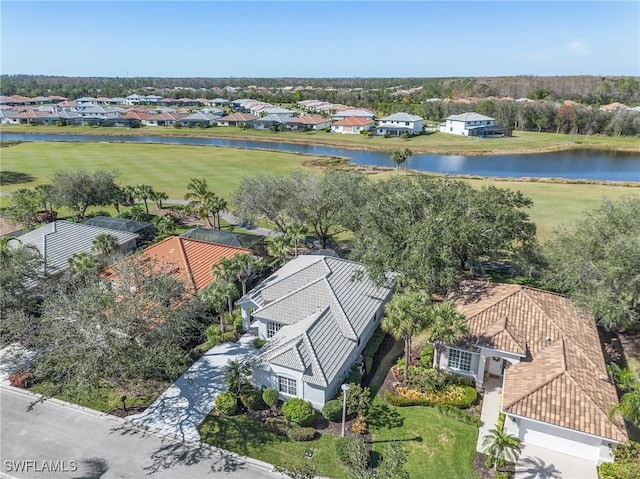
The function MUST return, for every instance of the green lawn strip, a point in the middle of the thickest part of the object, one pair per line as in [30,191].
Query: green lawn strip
[166,168]
[249,437]
[103,399]
[438,446]
[443,143]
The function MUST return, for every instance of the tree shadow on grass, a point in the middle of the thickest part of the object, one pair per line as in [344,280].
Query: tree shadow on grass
[239,434]
[15,178]
[381,416]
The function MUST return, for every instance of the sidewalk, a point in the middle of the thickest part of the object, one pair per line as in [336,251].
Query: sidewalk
[490,409]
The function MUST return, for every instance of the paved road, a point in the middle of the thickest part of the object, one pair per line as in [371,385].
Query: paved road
[184,405]
[54,434]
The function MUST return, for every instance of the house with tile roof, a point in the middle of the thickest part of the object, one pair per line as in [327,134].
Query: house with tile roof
[235,119]
[556,392]
[359,113]
[190,261]
[307,122]
[352,125]
[317,314]
[472,124]
[400,124]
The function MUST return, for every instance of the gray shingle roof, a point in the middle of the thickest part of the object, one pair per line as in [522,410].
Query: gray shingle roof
[60,240]
[401,117]
[325,305]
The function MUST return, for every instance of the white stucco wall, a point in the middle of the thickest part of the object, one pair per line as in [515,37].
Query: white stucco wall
[564,440]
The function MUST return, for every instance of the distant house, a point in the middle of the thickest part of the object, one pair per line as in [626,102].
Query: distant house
[188,260]
[9,117]
[235,119]
[473,124]
[267,121]
[8,228]
[228,238]
[60,240]
[317,319]
[200,118]
[400,124]
[281,112]
[556,390]
[352,125]
[358,113]
[307,122]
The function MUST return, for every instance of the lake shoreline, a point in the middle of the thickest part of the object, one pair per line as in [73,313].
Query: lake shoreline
[582,144]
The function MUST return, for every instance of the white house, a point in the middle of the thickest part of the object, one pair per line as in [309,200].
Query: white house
[352,125]
[359,113]
[472,124]
[556,392]
[400,124]
[317,313]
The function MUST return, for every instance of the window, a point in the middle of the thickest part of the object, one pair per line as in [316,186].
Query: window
[460,360]
[287,386]
[272,328]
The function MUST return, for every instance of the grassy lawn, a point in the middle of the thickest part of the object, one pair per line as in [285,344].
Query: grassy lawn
[244,435]
[105,399]
[438,446]
[521,141]
[169,167]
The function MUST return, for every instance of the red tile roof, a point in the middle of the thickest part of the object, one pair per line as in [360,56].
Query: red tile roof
[353,121]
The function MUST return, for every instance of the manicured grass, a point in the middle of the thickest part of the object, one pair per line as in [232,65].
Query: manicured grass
[249,437]
[438,446]
[521,141]
[167,168]
[104,399]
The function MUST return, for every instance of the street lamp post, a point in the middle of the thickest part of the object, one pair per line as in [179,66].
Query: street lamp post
[345,389]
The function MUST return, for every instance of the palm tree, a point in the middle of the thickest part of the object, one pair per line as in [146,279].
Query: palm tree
[144,192]
[278,248]
[217,204]
[83,266]
[241,267]
[399,157]
[295,233]
[159,197]
[445,326]
[215,298]
[405,316]
[628,406]
[501,446]
[129,193]
[198,190]
[105,244]
[236,374]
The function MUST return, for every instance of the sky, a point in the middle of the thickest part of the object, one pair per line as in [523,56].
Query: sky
[319,38]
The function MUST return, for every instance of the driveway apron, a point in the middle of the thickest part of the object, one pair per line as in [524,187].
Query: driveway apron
[184,405]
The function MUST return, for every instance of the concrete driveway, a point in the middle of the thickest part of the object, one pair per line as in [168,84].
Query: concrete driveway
[537,462]
[58,440]
[184,405]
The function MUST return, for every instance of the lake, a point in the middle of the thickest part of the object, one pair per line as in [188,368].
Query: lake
[571,164]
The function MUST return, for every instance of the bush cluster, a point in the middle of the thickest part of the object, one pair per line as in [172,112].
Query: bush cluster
[298,411]
[252,400]
[429,380]
[226,403]
[279,425]
[426,356]
[258,343]
[626,464]
[270,397]
[459,415]
[332,410]
[467,399]
[300,434]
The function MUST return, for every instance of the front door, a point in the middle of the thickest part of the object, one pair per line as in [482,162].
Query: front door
[495,366]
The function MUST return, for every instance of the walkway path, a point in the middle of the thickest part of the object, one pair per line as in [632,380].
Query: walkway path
[184,405]
[490,409]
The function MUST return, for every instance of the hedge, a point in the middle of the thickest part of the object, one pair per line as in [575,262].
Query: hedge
[301,434]
[252,400]
[332,410]
[298,411]
[469,398]
[226,403]
[459,415]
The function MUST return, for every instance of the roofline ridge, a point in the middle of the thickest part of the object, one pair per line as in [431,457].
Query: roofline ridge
[185,258]
[342,313]
[314,356]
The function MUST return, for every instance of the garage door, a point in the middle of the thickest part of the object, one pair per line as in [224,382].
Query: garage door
[561,440]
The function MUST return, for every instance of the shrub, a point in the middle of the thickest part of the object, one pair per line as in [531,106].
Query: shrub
[212,333]
[226,403]
[501,475]
[374,343]
[228,337]
[332,410]
[258,343]
[358,399]
[354,376]
[279,425]
[20,379]
[270,397]
[426,356]
[399,401]
[298,411]
[359,426]
[252,400]
[468,399]
[342,449]
[300,434]
[459,415]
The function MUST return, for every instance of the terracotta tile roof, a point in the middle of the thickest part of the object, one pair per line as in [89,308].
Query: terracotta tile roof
[310,120]
[191,259]
[238,117]
[562,379]
[353,121]
[8,228]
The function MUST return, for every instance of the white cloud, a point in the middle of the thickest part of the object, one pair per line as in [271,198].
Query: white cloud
[578,47]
